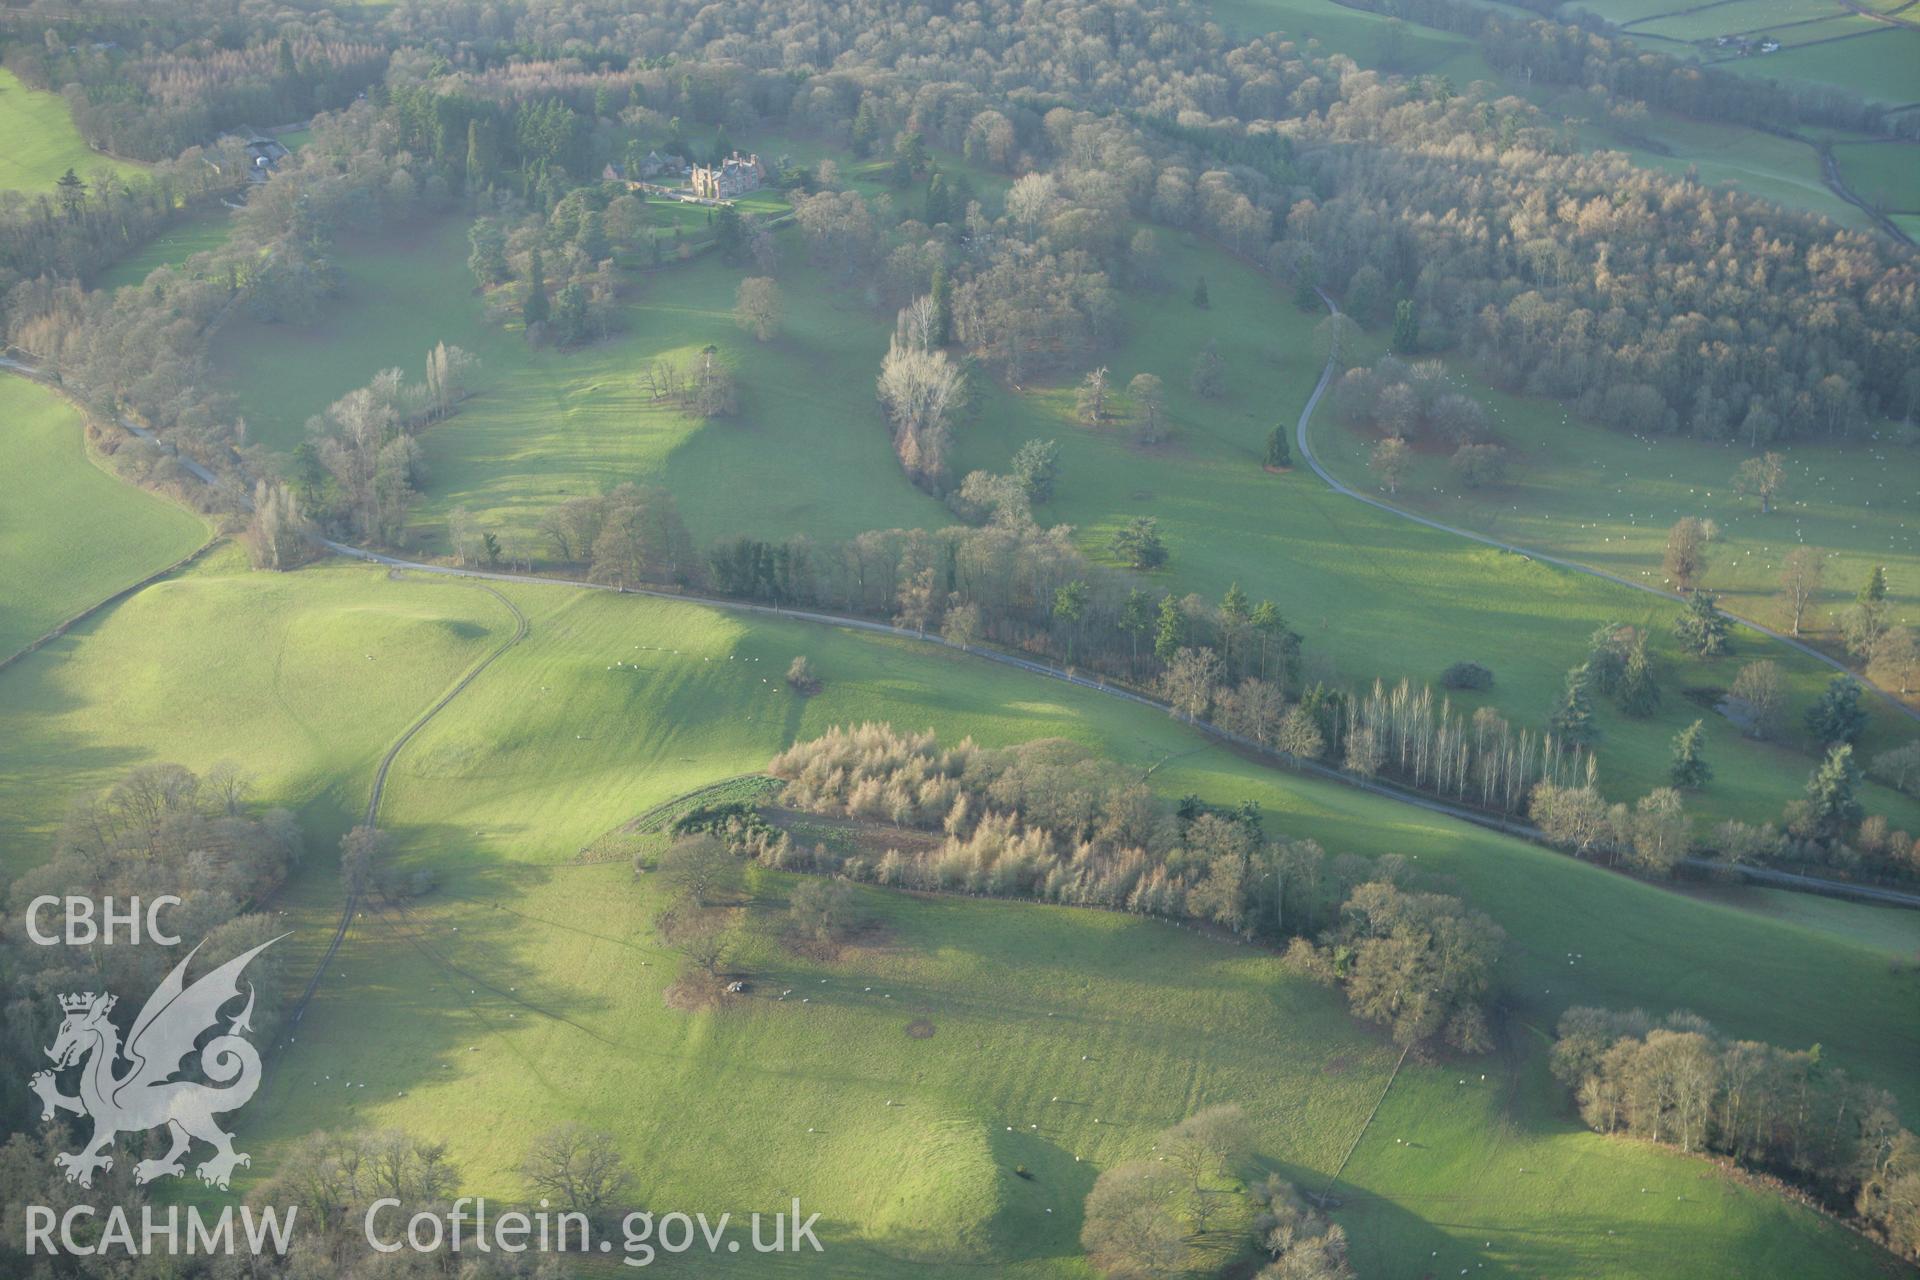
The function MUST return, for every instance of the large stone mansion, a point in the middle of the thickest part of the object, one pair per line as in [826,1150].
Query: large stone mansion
[731,178]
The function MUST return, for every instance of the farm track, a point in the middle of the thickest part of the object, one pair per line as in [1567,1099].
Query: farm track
[1306,451]
[1837,183]
[380,786]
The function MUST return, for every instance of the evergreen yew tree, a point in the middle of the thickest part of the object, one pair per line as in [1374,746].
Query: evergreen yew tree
[536,308]
[1279,453]
[488,259]
[478,171]
[1874,590]
[1406,328]
[1572,719]
[1639,691]
[1170,630]
[942,294]
[1838,716]
[1607,657]
[1702,629]
[1689,770]
[729,233]
[1831,806]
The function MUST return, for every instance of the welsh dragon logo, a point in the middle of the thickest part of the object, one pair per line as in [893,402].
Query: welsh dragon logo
[146,1095]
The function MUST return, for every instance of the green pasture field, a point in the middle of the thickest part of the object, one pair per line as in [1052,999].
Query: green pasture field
[1759,164]
[1894,930]
[1886,175]
[1624,12]
[302,680]
[1785,20]
[1371,39]
[530,987]
[1750,15]
[810,446]
[547,425]
[38,142]
[1824,29]
[871,176]
[1882,65]
[200,233]
[71,534]
[1607,499]
[1478,1155]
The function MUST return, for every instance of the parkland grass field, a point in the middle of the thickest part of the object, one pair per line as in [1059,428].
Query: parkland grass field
[38,142]
[545,426]
[149,681]
[53,564]
[490,936]
[173,249]
[1608,498]
[1887,175]
[530,984]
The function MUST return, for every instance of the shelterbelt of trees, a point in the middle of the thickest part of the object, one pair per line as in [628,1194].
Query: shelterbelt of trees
[1048,820]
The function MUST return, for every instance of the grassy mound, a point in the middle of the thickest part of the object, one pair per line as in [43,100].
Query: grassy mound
[301,679]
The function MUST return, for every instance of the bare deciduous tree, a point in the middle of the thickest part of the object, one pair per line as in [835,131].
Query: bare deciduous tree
[1389,461]
[1800,579]
[1150,406]
[1191,681]
[1763,477]
[756,307]
[1090,402]
[921,390]
[1685,559]
[578,1169]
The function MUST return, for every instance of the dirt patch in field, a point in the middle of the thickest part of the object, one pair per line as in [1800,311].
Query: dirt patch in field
[697,992]
[920,1029]
[854,835]
[869,935]
[1338,1066]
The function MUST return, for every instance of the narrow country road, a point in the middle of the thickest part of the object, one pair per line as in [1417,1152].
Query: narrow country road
[1311,768]
[1306,451]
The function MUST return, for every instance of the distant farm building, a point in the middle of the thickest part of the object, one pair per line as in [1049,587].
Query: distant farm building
[263,154]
